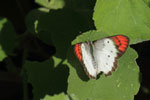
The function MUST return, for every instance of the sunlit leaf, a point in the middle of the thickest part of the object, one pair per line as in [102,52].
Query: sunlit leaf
[128,17]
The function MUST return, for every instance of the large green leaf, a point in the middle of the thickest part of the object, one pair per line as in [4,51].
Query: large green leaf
[51,4]
[48,77]
[128,17]
[89,36]
[61,96]
[147,2]
[7,38]
[123,84]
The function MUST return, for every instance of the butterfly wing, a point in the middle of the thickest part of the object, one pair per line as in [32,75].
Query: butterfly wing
[101,55]
[121,43]
[83,53]
[107,51]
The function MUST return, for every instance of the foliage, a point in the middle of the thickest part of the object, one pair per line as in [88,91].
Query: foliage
[52,4]
[122,85]
[6,46]
[61,96]
[123,17]
[60,23]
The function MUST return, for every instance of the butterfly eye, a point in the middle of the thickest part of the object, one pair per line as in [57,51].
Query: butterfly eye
[107,41]
[108,55]
[111,51]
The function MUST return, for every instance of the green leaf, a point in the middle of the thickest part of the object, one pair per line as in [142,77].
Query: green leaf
[7,38]
[47,78]
[123,84]
[32,20]
[89,36]
[128,17]
[147,2]
[51,4]
[2,54]
[61,96]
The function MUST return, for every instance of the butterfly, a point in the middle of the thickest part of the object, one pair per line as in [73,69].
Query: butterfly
[101,55]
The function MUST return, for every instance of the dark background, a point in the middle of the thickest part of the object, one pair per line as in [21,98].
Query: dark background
[11,85]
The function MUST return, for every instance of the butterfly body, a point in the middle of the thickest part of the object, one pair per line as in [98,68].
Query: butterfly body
[101,55]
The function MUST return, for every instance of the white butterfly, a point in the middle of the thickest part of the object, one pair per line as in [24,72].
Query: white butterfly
[101,55]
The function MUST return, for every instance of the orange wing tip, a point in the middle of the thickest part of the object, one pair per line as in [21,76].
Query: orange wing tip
[122,38]
[116,41]
[122,42]
[77,50]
